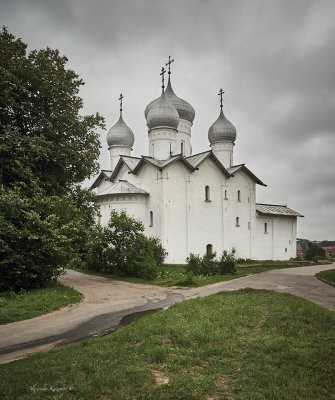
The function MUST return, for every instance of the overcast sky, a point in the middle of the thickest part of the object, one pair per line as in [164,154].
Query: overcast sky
[274,59]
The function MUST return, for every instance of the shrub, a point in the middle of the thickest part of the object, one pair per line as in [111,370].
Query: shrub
[314,250]
[227,263]
[121,248]
[159,252]
[210,265]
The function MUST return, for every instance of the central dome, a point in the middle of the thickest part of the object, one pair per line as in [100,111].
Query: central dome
[185,110]
[162,114]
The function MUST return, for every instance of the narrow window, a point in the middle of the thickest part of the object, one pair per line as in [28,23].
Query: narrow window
[248,225]
[153,150]
[238,195]
[237,221]
[266,227]
[225,195]
[207,193]
[182,148]
[285,250]
[209,249]
[248,199]
[151,218]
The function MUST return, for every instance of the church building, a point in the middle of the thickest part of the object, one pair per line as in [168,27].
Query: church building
[192,202]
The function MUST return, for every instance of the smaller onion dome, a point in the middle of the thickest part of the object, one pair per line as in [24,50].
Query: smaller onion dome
[162,114]
[185,110]
[222,130]
[120,134]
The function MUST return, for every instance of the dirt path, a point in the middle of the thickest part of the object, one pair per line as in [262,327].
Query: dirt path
[106,302]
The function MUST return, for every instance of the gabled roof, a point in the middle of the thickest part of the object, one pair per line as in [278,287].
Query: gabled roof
[104,174]
[122,187]
[130,162]
[241,167]
[275,209]
[160,164]
[197,159]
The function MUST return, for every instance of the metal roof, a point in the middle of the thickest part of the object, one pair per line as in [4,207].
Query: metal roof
[104,174]
[241,167]
[122,187]
[275,209]
[131,162]
[198,158]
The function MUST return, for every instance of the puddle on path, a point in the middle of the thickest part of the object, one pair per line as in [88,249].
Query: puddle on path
[128,319]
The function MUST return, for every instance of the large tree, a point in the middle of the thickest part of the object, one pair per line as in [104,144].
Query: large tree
[47,148]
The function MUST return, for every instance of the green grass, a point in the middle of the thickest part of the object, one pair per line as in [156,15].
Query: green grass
[32,303]
[327,276]
[244,345]
[176,275]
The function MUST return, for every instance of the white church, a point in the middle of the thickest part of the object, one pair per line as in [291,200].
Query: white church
[192,202]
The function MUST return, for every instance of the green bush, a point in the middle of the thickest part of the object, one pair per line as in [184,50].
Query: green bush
[227,263]
[314,250]
[210,265]
[121,248]
[159,252]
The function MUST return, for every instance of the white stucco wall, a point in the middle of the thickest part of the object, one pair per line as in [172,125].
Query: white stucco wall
[186,222]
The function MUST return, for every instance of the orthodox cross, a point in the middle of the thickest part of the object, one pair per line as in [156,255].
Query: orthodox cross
[221,92]
[120,98]
[162,74]
[169,64]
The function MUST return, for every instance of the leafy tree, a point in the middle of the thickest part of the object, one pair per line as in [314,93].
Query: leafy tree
[121,248]
[314,250]
[46,150]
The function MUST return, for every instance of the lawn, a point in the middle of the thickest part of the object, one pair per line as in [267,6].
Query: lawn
[327,276]
[32,303]
[246,345]
[176,275]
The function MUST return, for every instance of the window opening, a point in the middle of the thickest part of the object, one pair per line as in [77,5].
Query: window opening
[207,193]
[248,225]
[182,148]
[151,218]
[237,221]
[209,249]
[238,195]
[265,227]
[225,195]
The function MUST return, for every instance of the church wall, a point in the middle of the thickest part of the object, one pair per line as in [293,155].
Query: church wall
[174,230]
[241,206]
[134,205]
[278,240]
[205,217]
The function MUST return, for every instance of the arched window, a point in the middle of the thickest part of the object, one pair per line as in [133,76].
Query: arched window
[238,195]
[209,248]
[182,148]
[265,227]
[207,194]
[225,195]
[237,221]
[151,218]
[248,225]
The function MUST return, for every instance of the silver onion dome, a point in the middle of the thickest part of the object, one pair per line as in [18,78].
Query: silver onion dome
[120,134]
[222,130]
[185,110]
[162,114]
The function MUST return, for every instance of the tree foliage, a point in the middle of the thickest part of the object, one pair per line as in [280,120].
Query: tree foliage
[159,252]
[314,250]
[121,248]
[46,150]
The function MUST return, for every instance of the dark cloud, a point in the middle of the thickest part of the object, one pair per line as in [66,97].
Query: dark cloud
[275,60]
